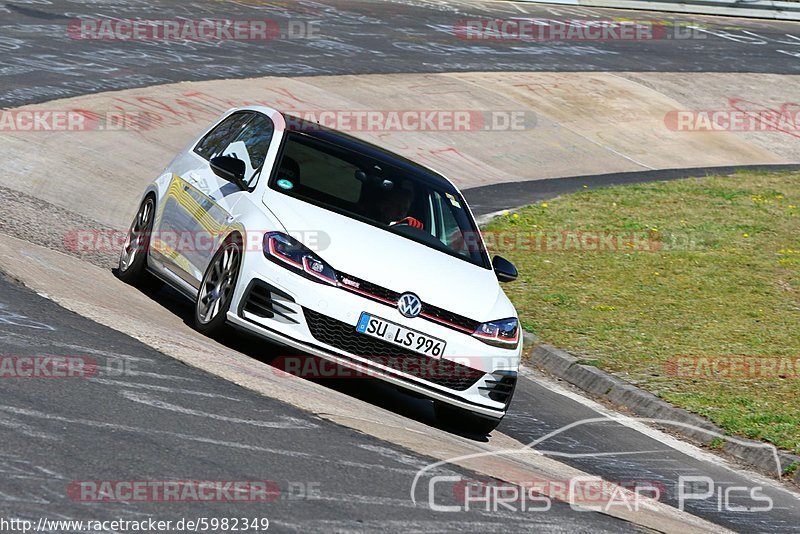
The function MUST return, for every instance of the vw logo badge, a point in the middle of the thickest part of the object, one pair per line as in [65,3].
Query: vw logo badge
[409,305]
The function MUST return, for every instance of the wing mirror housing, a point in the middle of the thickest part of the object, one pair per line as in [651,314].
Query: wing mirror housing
[504,269]
[230,169]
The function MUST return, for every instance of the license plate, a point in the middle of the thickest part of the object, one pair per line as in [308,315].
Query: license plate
[400,335]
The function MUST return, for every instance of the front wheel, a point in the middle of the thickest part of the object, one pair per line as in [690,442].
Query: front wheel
[216,290]
[133,257]
[462,421]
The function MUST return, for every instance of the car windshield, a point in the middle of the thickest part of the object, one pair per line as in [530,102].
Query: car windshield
[391,194]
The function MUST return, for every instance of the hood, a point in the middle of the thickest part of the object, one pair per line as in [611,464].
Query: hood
[391,261]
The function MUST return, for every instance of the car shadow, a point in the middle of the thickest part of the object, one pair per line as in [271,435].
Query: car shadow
[335,377]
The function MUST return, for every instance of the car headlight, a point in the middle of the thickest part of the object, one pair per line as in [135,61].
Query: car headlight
[503,333]
[292,254]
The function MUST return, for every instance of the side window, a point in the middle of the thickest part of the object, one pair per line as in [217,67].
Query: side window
[448,219]
[446,224]
[218,139]
[252,143]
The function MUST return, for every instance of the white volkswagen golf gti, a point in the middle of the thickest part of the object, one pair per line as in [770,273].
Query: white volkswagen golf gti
[337,248]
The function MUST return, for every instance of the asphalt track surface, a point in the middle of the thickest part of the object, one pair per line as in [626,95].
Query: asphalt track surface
[66,431]
[145,416]
[40,60]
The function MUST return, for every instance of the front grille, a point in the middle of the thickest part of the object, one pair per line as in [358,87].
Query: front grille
[343,336]
[453,318]
[369,287]
[382,295]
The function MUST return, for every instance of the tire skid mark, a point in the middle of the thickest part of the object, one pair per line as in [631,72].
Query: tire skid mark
[400,503]
[480,527]
[22,340]
[25,429]
[164,389]
[11,318]
[290,423]
[152,432]
[159,376]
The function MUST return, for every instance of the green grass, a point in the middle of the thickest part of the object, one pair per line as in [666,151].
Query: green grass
[706,267]
[791,469]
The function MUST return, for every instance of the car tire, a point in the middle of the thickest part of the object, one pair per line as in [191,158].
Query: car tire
[132,267]
[462,421]
[216,290]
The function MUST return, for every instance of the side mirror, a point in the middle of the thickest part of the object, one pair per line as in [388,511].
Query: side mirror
[504,269]
[230,169]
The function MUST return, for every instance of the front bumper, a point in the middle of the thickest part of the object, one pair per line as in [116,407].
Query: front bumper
[320,320]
